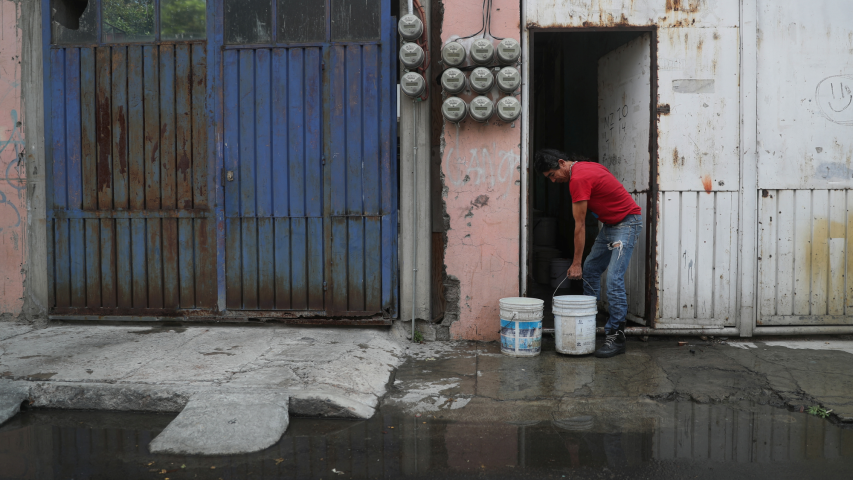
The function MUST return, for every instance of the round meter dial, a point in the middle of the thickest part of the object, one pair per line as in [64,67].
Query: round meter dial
[453,54]
[410,27]
[509,109]
[482,80]
[482,52]
[453,81]
[454,109]
[508,79]
[411,55]
[482,109]
[413,84]
[509,51]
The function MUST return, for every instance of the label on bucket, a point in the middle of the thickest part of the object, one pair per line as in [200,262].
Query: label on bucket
[574,335]
[521,338]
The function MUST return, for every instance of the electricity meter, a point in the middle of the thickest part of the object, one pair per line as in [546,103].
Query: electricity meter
[509,108]
[454,109]
[411,55]
[482,80]
[453,81]
[508,79]
[413,84]
[509,50]
[453,54]
[482,109]
[482,52]
[410,27]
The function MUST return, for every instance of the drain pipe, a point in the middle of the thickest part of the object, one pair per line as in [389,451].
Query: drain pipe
[415,112]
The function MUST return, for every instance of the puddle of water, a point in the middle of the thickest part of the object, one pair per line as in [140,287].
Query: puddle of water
[704,441]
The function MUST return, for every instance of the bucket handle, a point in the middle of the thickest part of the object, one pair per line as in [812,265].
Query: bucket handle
[553,295]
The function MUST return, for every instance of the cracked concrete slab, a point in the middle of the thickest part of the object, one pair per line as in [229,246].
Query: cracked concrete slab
[225,423]
[344,371]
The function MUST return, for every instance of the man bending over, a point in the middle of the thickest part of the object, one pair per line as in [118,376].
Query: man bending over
[593,187]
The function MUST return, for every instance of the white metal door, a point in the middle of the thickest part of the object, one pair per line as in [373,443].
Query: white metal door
[624,99]
[805,180]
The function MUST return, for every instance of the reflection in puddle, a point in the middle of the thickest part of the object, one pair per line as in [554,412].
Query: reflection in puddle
[64,444]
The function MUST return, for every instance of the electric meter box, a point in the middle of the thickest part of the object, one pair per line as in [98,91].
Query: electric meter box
[411,55]
[482,80]
[410,27]
[508,79]
[454,109]
[509,51]
[509,109]
[453,81]
[482,109]
[453,54]
[413,84]
[482,52]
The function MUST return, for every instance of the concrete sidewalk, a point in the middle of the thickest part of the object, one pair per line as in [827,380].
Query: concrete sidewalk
[471,382]
[335,372]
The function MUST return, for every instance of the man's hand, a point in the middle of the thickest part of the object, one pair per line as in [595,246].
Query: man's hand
[575,272]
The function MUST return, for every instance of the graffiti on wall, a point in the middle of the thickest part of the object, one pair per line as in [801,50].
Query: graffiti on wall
[834,97]
[486,166]
[11,154]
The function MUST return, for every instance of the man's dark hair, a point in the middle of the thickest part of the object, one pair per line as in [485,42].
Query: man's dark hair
[547,159]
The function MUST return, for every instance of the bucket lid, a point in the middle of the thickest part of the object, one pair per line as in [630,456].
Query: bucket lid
[510,302]
[574,301]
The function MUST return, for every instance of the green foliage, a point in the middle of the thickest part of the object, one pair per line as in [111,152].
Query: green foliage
[133,18]
[419,338]
[182,18]
[818,411]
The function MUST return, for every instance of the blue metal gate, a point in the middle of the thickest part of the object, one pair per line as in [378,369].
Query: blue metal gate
[194,175]
[310,174]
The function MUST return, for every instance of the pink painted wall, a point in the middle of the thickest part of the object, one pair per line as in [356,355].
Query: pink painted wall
[483,191]
[12,173]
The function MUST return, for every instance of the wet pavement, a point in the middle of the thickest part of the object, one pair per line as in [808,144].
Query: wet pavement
[463,410]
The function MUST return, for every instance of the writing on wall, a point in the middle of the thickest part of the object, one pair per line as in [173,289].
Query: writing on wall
[834,97]
[614,123]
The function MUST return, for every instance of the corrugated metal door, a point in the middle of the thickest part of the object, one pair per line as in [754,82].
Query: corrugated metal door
[310,171]
[130,224]
[274,179]
[805,154]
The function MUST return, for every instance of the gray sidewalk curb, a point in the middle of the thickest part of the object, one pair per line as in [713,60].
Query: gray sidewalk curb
[167,398]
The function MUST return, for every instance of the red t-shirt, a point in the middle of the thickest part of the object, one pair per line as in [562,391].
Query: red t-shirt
[606,196]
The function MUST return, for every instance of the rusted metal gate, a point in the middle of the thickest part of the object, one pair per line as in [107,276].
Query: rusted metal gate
[264,183]
[130,217]
[310,190]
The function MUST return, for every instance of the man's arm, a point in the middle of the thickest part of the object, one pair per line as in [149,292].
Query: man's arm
[579,212]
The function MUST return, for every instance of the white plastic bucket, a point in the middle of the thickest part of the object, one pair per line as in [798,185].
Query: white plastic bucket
[574,324]
[521,326]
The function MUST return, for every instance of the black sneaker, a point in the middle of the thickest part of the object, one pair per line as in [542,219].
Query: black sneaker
[614,344]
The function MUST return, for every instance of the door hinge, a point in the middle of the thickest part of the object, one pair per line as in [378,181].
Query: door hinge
[222,177]
[323,159]
[323,65]
[325,287]
[663,108]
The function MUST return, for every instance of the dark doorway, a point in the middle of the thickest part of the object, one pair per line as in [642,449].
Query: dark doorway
[591,95]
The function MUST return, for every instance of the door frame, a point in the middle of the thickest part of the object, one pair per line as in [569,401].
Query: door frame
[652,207]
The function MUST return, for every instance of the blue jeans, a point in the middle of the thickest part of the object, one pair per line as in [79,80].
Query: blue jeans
[607,254]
